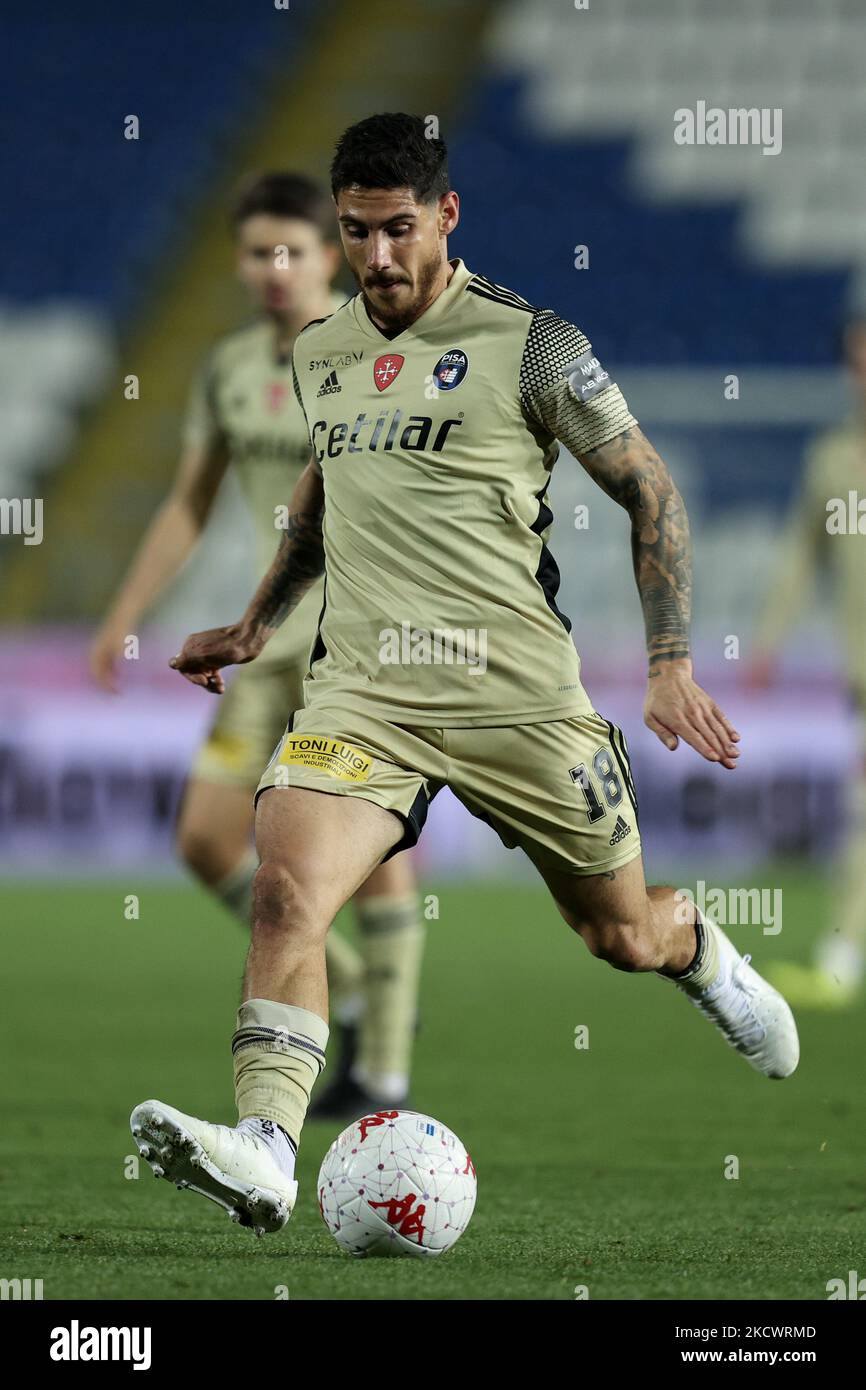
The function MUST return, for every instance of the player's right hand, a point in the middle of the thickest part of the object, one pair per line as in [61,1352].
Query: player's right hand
[204,653]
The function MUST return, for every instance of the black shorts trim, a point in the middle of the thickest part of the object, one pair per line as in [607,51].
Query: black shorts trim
[413,821]
[620,752]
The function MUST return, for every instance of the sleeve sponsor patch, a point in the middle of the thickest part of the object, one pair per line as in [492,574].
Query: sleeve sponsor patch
[587,377]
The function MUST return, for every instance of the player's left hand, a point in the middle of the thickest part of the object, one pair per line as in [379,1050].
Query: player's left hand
[677,707]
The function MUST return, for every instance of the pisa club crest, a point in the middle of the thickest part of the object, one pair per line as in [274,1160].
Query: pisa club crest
[451,369]
[386,369]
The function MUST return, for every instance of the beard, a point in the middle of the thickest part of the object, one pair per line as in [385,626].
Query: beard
[394,316]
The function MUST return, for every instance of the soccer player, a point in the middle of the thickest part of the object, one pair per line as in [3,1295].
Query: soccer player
[243,412]
[834,468]
[442,657]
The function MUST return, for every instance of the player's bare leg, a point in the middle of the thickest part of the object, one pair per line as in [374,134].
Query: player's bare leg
[373,988]
[315,851]
[637,928]
[214,839]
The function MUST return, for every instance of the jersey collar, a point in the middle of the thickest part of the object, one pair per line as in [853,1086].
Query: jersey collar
[440,306]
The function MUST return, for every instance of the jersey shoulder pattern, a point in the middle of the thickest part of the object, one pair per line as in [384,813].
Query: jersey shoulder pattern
[565,390]
[560,379]
[552,345]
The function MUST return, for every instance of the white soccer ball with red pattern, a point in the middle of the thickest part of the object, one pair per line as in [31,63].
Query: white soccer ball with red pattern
[396,1183]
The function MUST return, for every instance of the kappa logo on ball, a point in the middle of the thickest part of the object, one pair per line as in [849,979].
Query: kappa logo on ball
[451,369]
[386,369]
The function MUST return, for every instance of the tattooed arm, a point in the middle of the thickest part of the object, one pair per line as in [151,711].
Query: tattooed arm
[297,565]
[566,394]
[631,472]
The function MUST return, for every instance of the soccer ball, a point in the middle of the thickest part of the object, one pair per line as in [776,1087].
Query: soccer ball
[396,1183]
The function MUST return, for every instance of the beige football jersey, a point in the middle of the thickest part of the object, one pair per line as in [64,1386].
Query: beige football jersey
[835,467]
[436,448]
[244,395]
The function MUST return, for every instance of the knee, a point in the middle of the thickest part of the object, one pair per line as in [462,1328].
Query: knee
[624,945]
[282,903]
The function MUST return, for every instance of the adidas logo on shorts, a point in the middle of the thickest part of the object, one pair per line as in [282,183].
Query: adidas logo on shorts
[620,830]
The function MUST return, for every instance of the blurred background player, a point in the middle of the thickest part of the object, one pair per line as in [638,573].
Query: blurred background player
[243,412]
[835,466]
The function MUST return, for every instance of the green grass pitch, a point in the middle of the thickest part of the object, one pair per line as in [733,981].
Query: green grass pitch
[601,1167]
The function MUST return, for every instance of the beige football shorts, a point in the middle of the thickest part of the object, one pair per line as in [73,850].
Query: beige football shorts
[562,791]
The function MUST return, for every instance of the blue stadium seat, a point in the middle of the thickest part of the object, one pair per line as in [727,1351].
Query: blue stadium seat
[665,282]
[100,210]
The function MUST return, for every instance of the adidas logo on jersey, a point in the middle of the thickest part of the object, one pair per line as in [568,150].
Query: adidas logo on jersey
[620,830]
[330,386]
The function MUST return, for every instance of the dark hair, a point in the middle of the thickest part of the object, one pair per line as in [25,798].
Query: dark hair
[285,195]
[391,150]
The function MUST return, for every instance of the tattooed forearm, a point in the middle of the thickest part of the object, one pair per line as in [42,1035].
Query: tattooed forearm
[298,563]
[631,472]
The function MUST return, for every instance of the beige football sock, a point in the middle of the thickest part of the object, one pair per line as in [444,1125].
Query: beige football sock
[345,978]
[279,1051]
[703,970]
[392,943]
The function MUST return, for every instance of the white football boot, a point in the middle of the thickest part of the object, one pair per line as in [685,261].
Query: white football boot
[232,1167]
[749,1012]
